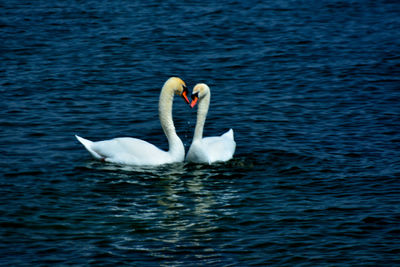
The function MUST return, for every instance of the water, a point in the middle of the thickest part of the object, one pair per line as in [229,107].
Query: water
[311,89]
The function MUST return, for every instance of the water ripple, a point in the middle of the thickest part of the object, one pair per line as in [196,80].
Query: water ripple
[311,91]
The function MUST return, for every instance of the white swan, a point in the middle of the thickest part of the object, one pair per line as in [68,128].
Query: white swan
[208,149]
[132,151]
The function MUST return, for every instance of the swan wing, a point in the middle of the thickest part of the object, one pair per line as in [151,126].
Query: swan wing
[198,153]
[127,150]
[220,148]
[213,149]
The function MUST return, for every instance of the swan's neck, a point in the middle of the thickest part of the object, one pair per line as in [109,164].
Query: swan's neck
[202,111]
[176,148]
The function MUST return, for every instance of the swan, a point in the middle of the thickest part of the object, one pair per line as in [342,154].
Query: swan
[208,149]
[133,151]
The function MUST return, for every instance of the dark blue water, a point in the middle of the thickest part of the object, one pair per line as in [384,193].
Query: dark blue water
[311,89]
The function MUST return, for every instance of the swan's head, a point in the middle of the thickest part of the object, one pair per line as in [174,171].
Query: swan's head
[179,87]
[199,92]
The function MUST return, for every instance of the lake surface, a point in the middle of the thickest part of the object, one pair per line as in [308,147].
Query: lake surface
[310,88]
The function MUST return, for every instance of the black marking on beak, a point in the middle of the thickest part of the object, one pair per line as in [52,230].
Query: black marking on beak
[193,96]
[185,94]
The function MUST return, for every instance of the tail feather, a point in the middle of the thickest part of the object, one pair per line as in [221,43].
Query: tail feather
[229,134]
[88,145]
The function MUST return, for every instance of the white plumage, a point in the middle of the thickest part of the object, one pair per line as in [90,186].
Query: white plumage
[133,151]
[208,149]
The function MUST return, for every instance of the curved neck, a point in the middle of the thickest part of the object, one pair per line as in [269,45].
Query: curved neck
[176,147]
[202,111]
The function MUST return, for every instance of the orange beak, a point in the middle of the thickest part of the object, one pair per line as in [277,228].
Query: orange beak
[184,95]
[195,98]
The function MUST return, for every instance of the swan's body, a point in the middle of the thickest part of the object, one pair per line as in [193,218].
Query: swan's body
[133,151]
[208,149]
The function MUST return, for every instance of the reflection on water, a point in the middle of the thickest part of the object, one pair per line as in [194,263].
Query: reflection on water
[178,206]
[310,90]
[187,205]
